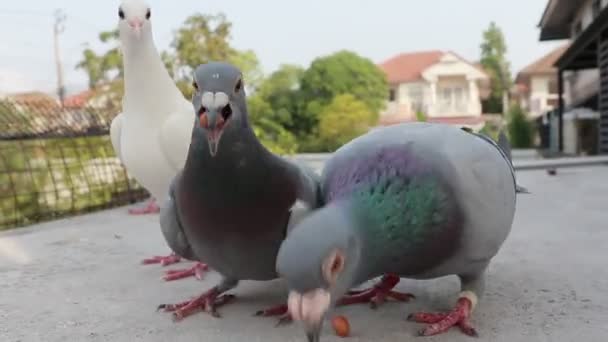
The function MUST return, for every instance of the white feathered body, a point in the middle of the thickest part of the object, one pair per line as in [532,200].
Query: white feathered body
[152,134]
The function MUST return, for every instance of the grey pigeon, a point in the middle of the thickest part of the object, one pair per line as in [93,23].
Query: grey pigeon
[231,204]
[416,200]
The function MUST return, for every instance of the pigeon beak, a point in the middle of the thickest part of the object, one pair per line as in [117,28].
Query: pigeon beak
[214,125]
[313,333]
[136,25]
[310,308]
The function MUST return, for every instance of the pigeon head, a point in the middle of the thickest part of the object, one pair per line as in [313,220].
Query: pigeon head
[134,18]
[219,101]
[318,260]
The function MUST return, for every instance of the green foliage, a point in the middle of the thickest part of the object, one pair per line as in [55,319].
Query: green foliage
[521,130]
[420,116]
[267,127]
[344,119]
[490,130]
[343,72]
[41,179]
[494,61]
[280,91]
[203,38]
[92,65]
[102,67]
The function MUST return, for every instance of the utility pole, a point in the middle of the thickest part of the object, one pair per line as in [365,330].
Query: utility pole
[58,29]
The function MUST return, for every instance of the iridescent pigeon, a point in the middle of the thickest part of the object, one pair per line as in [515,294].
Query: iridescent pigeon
[414,200]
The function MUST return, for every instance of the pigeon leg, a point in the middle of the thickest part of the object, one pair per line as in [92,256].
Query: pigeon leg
[377,294]
[198,271]
[459,316]
[150,208]
[163,260]
[208,301]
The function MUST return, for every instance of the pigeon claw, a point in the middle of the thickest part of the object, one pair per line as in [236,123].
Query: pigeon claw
[442,322]
[150,208]
[207,302]
[378,294]
[198,271]
[163,260]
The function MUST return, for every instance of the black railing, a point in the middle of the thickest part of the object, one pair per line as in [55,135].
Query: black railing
[57,162]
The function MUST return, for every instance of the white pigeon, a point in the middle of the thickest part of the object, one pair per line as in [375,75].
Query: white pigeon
[152,134]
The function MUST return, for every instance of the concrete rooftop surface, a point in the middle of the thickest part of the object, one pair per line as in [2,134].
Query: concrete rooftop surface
[80,279]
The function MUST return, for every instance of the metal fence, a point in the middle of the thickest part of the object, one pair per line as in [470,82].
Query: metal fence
[56,162]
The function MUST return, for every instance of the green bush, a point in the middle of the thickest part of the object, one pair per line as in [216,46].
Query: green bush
[521,130]
[344,119]
[420,116]
[490,130]
[47,178]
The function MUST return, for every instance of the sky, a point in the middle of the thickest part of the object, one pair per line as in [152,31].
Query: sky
[279,31]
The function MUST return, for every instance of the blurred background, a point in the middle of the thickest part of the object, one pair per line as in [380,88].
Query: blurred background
[318,73]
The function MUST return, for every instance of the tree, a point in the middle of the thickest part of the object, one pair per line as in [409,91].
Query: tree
[494,61]
[266,127]
[520,129]
[344,119]
[203,38]
[343,72]
[280,91]
[102,67]
[91,63]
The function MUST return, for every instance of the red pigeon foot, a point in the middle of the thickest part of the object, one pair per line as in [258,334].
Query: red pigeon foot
[442,322]
[163,260]
[198,271]
[207,302]
[377,294]
[150,208]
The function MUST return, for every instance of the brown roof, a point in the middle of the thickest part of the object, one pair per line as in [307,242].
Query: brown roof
[79,100]
[407,67]
[31,96]
[544,65]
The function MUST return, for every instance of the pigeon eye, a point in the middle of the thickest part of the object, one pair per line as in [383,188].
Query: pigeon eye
[238,86]
[195,85]
[148,14]
[121,13]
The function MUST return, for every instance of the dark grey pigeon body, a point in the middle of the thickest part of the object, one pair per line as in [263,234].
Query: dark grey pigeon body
[231,204]
[413,200]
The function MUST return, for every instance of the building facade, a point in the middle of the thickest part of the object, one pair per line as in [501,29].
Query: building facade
[582,69]
[440,86]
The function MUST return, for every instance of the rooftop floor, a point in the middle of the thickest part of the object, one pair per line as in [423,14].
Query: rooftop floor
[80,279]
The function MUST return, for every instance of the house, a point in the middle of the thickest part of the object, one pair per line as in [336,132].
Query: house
[581,117]
[78,101]
[442,86]
[536,84]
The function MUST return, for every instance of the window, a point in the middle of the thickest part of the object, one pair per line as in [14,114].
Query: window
[415,98]
[391,95]
[458,98]
[452,99]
